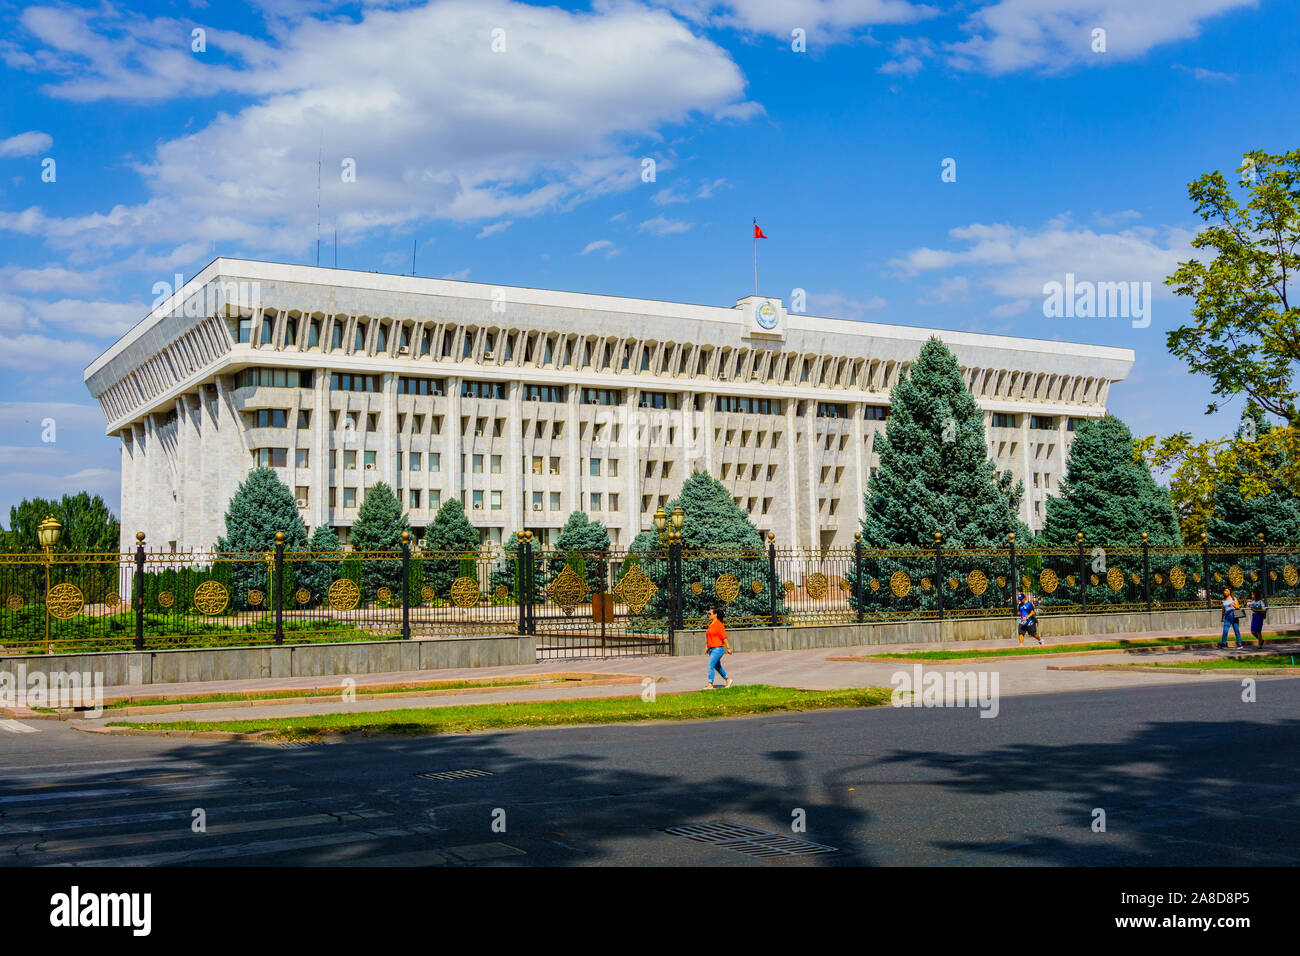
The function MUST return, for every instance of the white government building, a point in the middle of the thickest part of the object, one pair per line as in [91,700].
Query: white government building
[528,404]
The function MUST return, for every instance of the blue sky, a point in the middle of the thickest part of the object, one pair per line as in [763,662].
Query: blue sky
[523,165]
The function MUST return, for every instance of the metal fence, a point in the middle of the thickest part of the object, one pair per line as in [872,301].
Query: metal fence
[604,603]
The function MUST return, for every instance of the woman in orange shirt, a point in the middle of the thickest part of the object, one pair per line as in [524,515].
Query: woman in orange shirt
[715,639]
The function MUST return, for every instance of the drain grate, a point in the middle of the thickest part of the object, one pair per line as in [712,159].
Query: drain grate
[750,841]
[297,744]
[455,774]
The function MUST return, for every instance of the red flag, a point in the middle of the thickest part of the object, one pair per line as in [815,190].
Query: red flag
[758,233]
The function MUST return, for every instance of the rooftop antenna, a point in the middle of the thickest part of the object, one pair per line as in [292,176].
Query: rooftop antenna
[319,154]
[336,248]
[414,244]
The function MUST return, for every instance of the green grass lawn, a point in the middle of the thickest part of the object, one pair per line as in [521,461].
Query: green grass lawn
[1233,663]
[1030,650]
[697,705]
[337,690]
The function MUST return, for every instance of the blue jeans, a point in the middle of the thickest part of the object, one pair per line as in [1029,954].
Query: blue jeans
[715,662]
[1230,622]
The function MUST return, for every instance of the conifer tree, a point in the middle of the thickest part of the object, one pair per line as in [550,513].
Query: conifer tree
[379,526]
[935,476]
[713,523]
[317,575]
[582,538]
[449,538]
[260,506]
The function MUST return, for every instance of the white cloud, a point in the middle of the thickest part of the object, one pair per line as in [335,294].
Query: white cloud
[953,287]
[662,226]
[601,245]
[439,126]
[1202,74]
[835,304]
[493,229]
[1035,35]
[460,274]
[824,20]
[667,197]
[31,143]
[1015,262]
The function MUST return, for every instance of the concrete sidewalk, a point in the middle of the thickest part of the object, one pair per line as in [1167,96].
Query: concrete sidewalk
[806,669]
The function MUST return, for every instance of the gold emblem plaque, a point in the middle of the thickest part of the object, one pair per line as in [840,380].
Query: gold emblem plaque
[635,589]
[465,593]
[727,588]
[900,584]
[211,598]
[815,585]
[344,594]
[978,582]
[64,601]
[1048,580]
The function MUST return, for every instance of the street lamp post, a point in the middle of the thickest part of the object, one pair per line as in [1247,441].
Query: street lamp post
[669,529]
[47,533]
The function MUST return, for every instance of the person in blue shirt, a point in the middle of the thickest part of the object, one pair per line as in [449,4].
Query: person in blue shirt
[1230,611]
[1259,610]
[1028,617]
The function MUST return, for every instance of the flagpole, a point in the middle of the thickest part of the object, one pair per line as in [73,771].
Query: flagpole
[755,256]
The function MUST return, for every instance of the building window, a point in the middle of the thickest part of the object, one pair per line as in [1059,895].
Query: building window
[613,503]
[347,382]
[537,501]
[349,497]
[602,396]
[832,410]
[435,500]
[555,501]
[349,460]
[313,334]
[876,413]
[407,385]
[496,501]
[271,457]
[414,498]
[369,458]
[478,464]
[301,457]
[435,461]
[333,497]
[372,422]
[478,500]
[1042,422]
[659,400]
[414,462]
[304,418]
[336,335]
[537,464]
[1070,425]
[271,418]
[595,467]
[613,468]
[1003,420]
[740,403]
[543,393]
[300,493]
[399,462]
[494,464]
[268,331]
[245,330]
[359,338]
[555,465]
[483,389]
[273,378]
[595,501]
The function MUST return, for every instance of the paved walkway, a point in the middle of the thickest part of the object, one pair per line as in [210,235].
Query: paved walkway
[810,669]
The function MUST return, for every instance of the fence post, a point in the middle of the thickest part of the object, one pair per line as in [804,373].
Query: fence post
[858,572]
[1083,578]
[139,590]
[1015,578]
[675,564]
[939,581]
[604,571]
[521,579]
[1205,570]
[1263,569]
[773,584]
[406,585]
[1146,571]
[277,585]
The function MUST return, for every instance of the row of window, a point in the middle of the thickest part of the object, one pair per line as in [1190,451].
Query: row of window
[1036,422]
[274,378]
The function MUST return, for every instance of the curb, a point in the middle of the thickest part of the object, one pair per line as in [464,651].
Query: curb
[1161,649]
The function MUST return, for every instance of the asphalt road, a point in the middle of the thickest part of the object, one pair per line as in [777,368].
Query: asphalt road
[1186,774]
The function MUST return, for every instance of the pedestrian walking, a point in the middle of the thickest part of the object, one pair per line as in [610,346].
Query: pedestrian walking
[715,639]
[1231,610]
[1028,617]
[1259,610]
